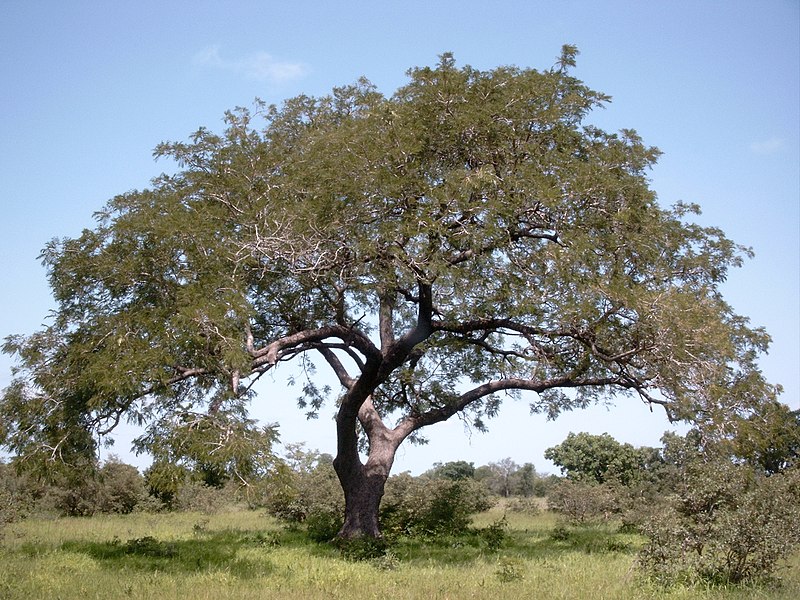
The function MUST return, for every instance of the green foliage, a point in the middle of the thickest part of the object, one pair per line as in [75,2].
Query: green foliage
[768,438]
[309,493]
[18,494]
[122,487]
[366,548]
[423,506]
[600,459]
[526,482]
[213,448]
[726,523]
[197,496]
[525,505]
[114,487]
[495,534]
[453,470]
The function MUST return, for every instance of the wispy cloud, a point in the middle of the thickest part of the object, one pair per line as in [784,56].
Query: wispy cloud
[259,66]
[769,146]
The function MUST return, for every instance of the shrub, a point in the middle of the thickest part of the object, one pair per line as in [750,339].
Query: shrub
[526,505]
[367,549]
[583,502]
[199,497]
[323,524]
[431,506]
[76,499]
[495,534]
[16,501]
[311,496]
[164,479]
[725,524]
[121,488]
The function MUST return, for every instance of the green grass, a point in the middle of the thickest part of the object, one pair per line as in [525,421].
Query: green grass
[245,555]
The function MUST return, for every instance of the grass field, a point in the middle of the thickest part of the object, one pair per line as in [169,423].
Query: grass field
[243,555]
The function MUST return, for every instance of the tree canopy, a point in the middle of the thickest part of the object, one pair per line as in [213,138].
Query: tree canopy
[466,239]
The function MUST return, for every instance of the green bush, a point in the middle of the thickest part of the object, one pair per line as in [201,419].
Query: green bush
[16,499]
[725,524]
[413,506]
[323,524]
[310,495]
[367,549]
[76,499]
[495,535]
[164,479]
[122,487]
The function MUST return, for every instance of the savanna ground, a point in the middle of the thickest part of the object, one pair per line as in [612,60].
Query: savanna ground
[243,554]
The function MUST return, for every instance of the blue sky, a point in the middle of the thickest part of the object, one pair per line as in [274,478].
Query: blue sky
[89,89]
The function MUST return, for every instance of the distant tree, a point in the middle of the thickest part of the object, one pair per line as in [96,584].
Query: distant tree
[597,458]
[498,476]
[454,470]
[467,239]
[526,482]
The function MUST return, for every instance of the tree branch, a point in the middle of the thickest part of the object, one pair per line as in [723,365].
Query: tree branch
[271,353]
[437,415]
[385,318]
[338,368]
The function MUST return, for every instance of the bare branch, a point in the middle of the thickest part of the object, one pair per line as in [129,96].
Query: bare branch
[338,368]
[442,413]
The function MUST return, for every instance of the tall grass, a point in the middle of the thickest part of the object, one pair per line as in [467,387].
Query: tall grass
[244,555]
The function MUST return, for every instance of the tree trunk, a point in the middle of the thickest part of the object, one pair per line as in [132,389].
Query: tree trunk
[363,484]
[362,502]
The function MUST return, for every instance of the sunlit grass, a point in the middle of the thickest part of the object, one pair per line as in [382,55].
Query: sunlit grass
[244,555]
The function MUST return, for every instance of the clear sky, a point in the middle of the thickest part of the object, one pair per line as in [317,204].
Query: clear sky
[88,88]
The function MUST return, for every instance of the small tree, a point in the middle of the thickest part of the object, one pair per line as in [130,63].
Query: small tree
[583,501]
[526,482]
[467,239]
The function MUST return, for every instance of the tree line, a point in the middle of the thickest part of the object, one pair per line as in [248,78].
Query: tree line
[712,507]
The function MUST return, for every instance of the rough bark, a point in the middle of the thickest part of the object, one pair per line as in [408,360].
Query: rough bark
[363,483]
[363,490]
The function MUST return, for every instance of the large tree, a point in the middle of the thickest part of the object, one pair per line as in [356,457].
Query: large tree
[467,239]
